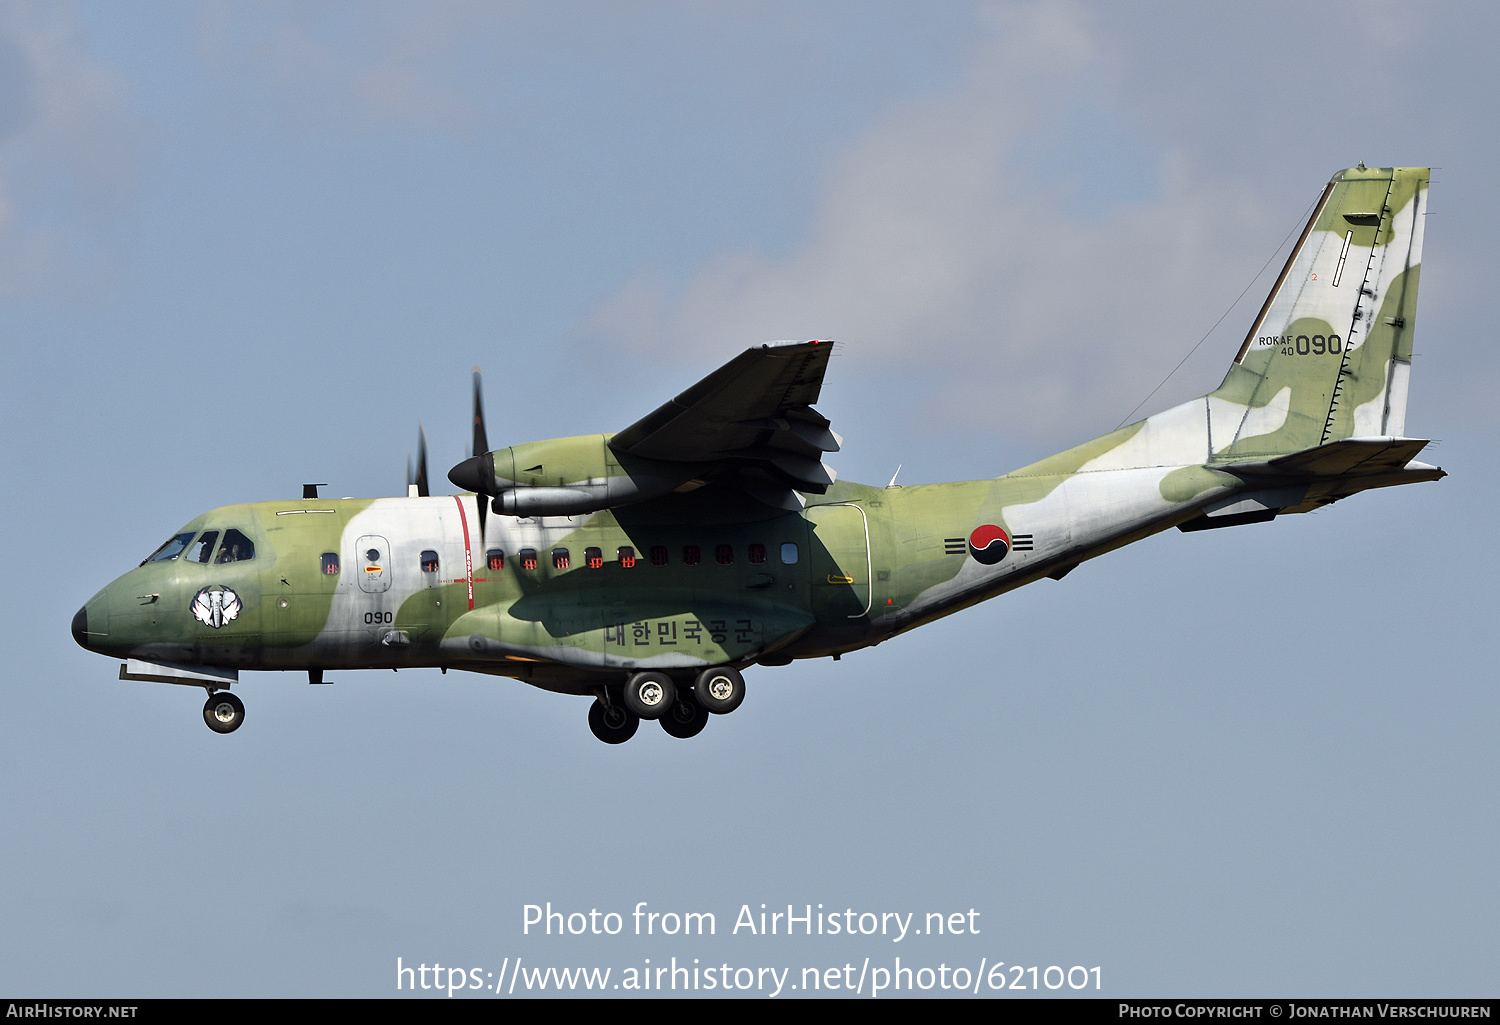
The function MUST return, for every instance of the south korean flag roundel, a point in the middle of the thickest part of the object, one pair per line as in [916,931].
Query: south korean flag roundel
[989,544]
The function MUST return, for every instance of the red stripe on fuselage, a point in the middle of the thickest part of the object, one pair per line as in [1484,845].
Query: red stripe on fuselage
[468,552]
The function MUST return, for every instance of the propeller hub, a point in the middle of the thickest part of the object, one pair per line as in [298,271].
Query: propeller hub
[476,474]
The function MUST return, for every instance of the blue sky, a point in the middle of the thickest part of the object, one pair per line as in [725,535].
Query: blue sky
[244,246]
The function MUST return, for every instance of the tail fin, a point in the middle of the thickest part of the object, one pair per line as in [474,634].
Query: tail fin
[1329,356]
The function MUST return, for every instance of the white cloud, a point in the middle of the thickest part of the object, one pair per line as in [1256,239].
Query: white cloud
[63,139]
[937,253]
[388,63]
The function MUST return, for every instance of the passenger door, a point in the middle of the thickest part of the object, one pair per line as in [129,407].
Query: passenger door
[839,561]
[372,562]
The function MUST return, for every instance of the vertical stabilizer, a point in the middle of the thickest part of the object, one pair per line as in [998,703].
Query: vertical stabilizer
[1329,356]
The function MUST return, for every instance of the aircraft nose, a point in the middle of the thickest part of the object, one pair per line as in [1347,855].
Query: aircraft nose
[81,627]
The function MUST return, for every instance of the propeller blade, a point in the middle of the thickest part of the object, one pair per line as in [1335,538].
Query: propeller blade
[421,478]
[481,442]
[477,472]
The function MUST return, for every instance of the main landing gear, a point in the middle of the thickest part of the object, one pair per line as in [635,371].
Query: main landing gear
[223,712]
[682,711]
[613,723]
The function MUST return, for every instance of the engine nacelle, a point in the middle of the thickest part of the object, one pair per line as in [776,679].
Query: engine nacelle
[581,497]
[565,477]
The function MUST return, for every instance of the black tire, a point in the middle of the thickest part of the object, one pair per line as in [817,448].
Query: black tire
[650,695]
[686,717]
[613,725]
[720,689]
[223,712]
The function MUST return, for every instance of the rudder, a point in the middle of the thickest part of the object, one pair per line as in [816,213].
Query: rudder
[1329,355]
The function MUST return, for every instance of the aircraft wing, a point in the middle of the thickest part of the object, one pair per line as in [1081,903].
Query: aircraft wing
[754,417]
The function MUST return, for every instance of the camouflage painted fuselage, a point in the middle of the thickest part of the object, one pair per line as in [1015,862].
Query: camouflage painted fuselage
[1312,410]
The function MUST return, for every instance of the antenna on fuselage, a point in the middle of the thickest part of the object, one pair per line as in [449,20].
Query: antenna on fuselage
[311,490]
[895,475]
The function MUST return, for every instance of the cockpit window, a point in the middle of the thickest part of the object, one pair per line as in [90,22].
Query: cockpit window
[203,548]
[236,548]
[171,549]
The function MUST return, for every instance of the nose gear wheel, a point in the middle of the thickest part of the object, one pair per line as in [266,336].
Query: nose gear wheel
[223,712]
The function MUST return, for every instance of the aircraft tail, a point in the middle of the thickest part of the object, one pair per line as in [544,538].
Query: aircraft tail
[1329,356]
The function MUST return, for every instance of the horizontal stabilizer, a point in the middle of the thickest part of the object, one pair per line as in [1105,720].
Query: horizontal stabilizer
[1349,457]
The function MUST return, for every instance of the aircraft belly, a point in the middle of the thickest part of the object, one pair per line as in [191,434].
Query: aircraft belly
[658,631]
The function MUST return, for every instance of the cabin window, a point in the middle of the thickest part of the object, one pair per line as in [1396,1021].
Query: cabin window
[658,555]
[495,559]
[203,548]
[429,561]
[171,549]
[757,555]
[528,558]
[723,554]
[559,558]
[788,554]
[236,548]
[593,558]
[691,555]
[331,563]
[626,555]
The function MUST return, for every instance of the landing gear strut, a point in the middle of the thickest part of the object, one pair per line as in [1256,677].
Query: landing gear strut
[613,724]
[223,712]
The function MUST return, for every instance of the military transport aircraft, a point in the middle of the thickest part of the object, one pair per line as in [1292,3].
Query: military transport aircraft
[649,568]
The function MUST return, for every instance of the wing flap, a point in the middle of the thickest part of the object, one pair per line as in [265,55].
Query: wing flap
[740,410]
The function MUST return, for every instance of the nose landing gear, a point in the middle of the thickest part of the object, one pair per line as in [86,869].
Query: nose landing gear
[223,712]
